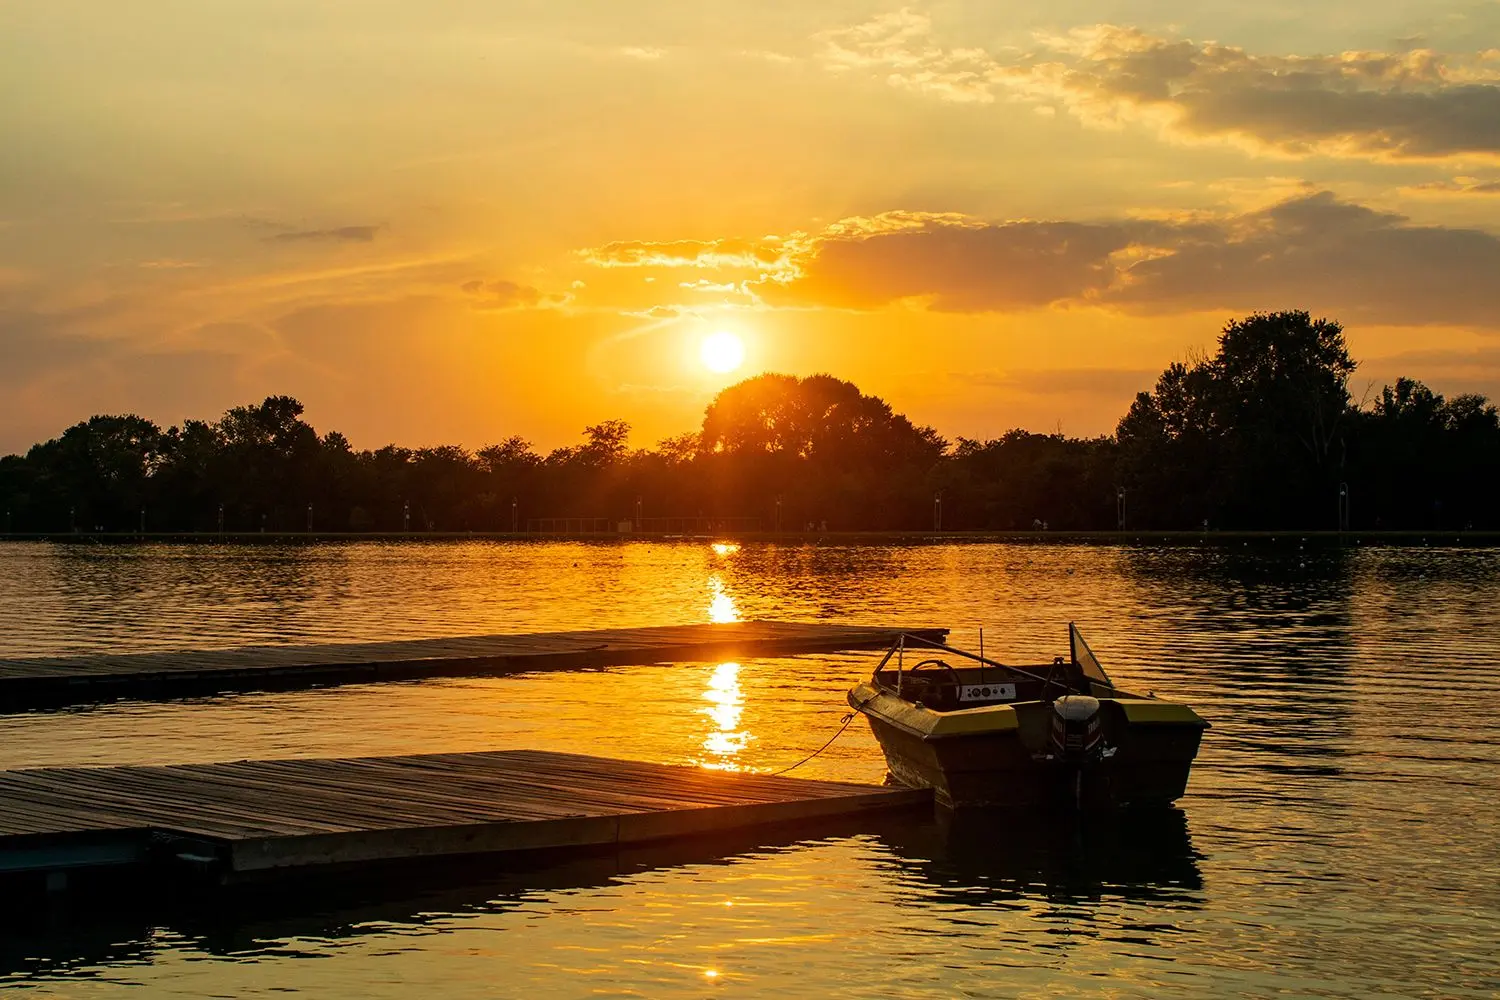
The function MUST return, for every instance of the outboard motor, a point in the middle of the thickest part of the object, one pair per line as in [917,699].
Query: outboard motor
[1077,727]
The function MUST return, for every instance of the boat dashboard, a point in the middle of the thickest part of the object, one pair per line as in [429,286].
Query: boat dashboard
[943,687]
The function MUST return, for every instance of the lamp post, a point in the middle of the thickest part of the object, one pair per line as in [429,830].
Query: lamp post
[778,513]
[1120,508]
[309,519]
[515,517]
[937,511]
[1343,506]
[221,519]
[406,515]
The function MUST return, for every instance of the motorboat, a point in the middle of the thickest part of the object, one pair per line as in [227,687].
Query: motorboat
[981,733]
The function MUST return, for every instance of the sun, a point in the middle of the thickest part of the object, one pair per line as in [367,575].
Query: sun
[722,352]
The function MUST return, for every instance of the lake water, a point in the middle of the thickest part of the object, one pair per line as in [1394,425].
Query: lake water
[1340,836]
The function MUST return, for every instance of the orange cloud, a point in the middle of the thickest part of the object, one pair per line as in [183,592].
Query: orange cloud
[502,294]
[769,254]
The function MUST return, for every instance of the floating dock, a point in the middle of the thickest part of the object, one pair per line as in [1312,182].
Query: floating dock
[55,681]
[243,820]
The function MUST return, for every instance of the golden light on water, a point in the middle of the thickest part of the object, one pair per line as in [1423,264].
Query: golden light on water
[721,607]
[726,699]
[722,352]
[724,692]
[725,548]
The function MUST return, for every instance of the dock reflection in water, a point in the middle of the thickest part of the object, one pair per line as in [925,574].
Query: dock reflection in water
[984,872]
[1337,839]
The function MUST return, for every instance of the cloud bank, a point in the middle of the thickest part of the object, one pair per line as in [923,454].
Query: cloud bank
[1416,104]
[1311,251]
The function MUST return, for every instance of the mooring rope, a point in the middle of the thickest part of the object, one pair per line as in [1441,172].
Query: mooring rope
[846,720]
[845,725]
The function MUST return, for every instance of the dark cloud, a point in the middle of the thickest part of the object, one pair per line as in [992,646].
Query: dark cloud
[1315,252]
[343,234]
[957,267]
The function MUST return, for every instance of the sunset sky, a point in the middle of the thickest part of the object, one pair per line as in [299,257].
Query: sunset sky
[457,220]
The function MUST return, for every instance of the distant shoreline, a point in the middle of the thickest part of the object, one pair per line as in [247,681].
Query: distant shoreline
[1482,539]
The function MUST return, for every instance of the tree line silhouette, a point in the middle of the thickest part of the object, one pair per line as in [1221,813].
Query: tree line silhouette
[1265,433]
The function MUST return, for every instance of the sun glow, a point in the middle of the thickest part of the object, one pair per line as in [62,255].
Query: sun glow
[722,352]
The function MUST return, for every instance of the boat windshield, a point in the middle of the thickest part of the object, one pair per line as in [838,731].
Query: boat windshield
[1085,659]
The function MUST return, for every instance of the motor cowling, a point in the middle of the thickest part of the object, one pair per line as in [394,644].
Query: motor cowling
[1077,727]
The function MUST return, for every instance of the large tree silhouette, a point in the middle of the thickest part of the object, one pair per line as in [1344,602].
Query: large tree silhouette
[1253,436]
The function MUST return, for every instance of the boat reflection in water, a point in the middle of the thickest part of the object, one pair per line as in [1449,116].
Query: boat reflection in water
[974,856]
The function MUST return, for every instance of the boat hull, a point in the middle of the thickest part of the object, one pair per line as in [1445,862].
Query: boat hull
[1007,764]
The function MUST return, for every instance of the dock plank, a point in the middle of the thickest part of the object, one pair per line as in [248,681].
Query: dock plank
[281,814]
[55,681]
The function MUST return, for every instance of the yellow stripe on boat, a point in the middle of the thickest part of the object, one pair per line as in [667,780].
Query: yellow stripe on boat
[1149,711]
[925,722]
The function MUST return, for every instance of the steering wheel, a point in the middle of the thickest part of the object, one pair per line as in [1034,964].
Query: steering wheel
[952,674]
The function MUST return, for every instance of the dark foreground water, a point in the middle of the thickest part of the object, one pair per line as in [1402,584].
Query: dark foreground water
[1340,838]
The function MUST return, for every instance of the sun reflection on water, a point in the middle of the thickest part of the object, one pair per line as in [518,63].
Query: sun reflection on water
[726,705]
[725,548]
[721,607]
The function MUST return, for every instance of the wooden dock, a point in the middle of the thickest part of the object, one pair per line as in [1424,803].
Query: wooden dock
[238,820]
[54,681]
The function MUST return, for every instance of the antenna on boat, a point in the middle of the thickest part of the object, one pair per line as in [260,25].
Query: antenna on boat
[900,655]
[981,654]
